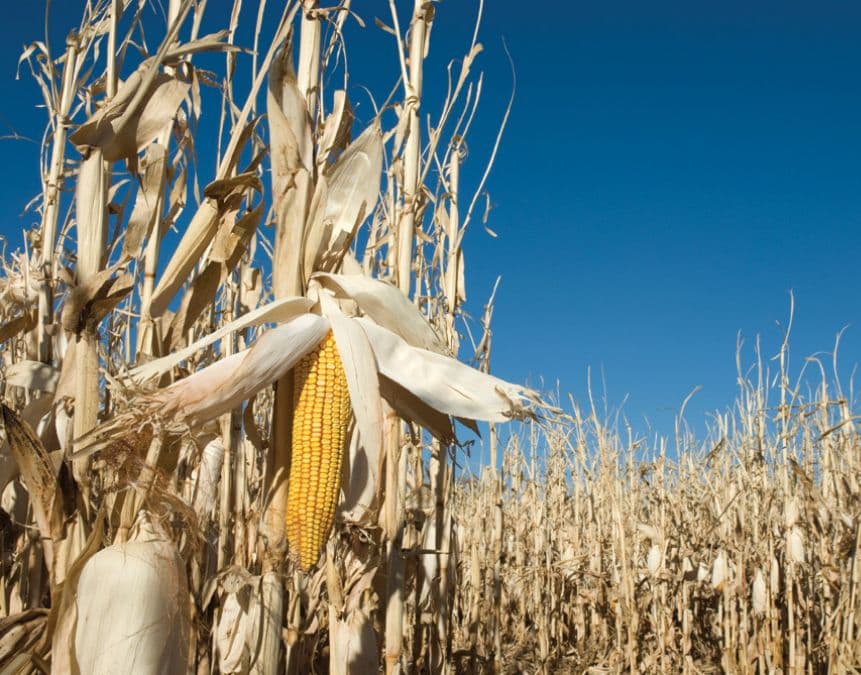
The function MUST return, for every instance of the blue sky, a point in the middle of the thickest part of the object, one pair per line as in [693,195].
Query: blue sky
[670,172]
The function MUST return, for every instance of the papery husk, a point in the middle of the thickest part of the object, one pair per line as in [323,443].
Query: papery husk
[720,572]
[349,194]
[758,595]
[225,384]
[282,310]
[795,546]
[352,640]
[360,370]
[387,306]
[361,483]
[132,605]
[208,474]
[236,634]
[444,383]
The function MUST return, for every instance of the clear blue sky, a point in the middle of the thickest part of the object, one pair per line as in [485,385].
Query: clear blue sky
[670,171]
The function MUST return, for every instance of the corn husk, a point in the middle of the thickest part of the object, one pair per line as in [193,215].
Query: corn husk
[653,559]
[132,606]
[720,572]
[207,476]
[235,635]
[352,640]
[758,595]
[795,546]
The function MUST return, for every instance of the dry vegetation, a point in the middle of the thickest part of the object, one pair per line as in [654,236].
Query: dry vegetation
[603,550]
[144,494]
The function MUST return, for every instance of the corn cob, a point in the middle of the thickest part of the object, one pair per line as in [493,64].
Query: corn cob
[321,414]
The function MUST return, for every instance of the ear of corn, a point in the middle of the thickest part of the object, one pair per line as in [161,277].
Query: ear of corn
[321,414]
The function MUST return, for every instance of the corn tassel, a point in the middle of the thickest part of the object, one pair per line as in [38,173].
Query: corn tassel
[321,414]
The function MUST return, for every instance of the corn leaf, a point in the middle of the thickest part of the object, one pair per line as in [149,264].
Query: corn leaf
[353,187]
[120,131]
[39,477]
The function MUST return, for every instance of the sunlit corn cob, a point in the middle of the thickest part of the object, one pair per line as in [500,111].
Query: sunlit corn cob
[321,414]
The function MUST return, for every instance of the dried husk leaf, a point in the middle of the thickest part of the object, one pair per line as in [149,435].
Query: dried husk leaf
[270,613]
[282,310]
[189,251]
[90,213]
[17,326]
[387,306]
[413,409]
[758,595]
[222,386]
[444,383]
[233,238]
[195,300]
[795,546]
[145,213]
[360,368]
[95,297]
[791,512]
[337,128]
[719,572]
[653,559]
[361,483]
[132,604]
[291,149]
[208,476]
[353,643]
[234,634]
[64,612]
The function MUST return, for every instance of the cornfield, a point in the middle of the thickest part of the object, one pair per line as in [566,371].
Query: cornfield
[230,380]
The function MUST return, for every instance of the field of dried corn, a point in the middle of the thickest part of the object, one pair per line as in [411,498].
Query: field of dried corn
[212,211]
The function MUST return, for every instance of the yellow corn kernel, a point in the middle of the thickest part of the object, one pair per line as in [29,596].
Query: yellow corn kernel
[321,415]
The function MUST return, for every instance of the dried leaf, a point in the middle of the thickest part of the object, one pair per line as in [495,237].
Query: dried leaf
[119,131]
[17,326]
[444,383]
[39,477]
[97,296]
[223,385]
[222,195]
[281,310]
[145,213]
[337,127]
[33,375]
[353,187]
[413,409]
[387,306]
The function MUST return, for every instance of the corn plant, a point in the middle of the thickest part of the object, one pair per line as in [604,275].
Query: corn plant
[234,414]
